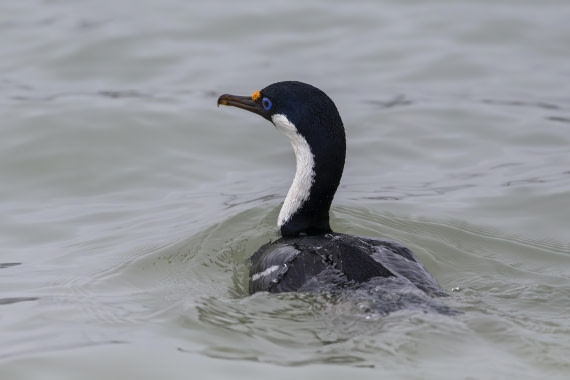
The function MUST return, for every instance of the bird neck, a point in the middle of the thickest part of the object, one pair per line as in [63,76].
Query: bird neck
[319,169]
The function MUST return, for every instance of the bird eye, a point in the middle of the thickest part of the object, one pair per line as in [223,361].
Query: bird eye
[267,104]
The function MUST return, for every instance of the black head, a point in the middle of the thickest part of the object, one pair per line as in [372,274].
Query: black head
[309,109]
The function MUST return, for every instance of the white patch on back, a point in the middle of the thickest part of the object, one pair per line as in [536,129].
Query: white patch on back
[266,272]
[304,175]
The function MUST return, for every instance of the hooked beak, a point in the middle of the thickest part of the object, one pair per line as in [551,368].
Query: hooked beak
[243,102]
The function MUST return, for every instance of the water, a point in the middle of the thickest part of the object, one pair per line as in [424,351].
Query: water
[129,202]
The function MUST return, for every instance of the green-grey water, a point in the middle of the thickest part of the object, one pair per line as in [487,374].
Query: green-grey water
[129,202]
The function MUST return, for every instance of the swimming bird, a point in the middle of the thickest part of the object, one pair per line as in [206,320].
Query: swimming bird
[309,256]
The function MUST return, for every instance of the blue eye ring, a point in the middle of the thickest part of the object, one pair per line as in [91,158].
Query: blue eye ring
[266,103]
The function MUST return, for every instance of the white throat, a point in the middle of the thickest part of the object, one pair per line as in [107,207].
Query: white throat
[305,173]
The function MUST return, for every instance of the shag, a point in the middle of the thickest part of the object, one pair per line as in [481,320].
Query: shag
[309,255]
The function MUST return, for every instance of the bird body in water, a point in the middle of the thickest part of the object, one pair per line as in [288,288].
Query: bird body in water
[309,255]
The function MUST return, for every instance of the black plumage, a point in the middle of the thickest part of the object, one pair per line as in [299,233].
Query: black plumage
[309,256]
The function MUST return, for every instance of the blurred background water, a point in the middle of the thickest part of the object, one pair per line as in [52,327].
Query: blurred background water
[129,202]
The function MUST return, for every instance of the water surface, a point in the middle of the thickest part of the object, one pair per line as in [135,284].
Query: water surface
[129,202]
